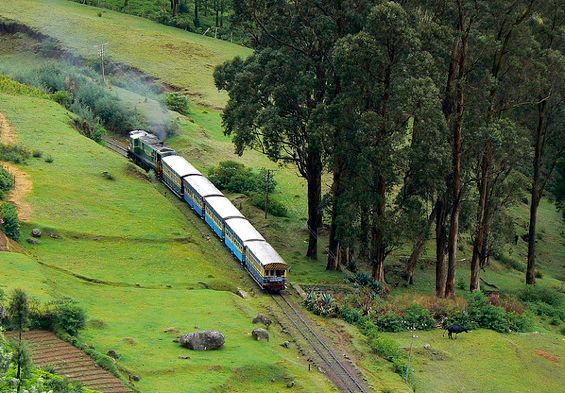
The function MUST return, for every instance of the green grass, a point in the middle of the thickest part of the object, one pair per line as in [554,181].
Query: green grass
[174,56]
[485,361]
[116,234]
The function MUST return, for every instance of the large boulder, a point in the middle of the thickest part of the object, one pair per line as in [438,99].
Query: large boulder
[203,341]
[36,232]
[262,319]
[260,334]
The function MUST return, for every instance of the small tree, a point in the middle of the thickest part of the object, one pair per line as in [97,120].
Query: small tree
[18,312]
[10,221]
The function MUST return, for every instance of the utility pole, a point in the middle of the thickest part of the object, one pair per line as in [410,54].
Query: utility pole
[101,52]
[268,177]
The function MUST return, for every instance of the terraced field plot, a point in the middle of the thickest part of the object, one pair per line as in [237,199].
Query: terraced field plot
[47,350]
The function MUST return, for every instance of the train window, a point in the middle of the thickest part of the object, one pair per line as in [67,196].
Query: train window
[280,273]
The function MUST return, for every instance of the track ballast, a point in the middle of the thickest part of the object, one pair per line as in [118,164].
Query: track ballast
[342,374]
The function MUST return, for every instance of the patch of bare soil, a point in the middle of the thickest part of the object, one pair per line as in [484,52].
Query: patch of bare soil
[549,356]
[23,182]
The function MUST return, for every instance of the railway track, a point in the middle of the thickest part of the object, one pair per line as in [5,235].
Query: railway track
[116,146]
[342,374]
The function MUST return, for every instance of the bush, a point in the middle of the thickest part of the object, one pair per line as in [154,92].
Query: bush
[391,322]
[49,159]
[10,221]
[274,208]
[483,314]
[6,182]
[14,153]
[63,97]
[234,177]
[386,348]
[352,315]
[321,304]
[364,279]
[534,294]
[37,154]
[416,316]
[177,102]
[69,317]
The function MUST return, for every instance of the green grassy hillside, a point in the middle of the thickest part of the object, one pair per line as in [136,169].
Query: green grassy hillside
[176,57]
[138,264]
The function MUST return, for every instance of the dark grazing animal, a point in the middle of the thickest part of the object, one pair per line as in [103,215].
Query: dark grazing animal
[456,329]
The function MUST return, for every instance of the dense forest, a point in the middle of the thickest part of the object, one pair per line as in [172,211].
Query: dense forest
[431,117]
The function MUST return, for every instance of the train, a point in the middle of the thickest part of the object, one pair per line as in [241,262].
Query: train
[263,263]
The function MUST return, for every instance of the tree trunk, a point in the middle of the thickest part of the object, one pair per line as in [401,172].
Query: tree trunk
[333,248]
[456,164]
[418,248]
[536,195]
[441,211]
[314,181]
[221,13]
[378,245]
[196,12]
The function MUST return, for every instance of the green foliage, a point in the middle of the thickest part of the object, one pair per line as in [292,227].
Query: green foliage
[7,182]
[274,207]
[353,316]
[177,102]
[14,153]
[68,316]
[63,97]
[12,87]
[18,310]
[364,279]
[322,304]
[418,317]
[37,153]
[10,220]
[536,294]
[485,315]
[234,177]
[391,322]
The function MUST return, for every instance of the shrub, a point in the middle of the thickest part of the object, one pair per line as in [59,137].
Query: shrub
[37,153]
[534,294]
[352,315]
[68,316]
[232,176]
[49,159]
[391,322]
[14,153]
[10,221]
[364,279]
[416,316]
[63,97]
[177,102]
[274,207]
[321,304]
[6,181]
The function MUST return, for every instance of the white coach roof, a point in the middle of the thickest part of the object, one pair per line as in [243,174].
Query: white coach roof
[181,166]
[202,186]
[223,207]
[265,253]
[244,230]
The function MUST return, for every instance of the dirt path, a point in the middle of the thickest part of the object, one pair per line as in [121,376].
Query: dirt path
[48,350]
[23,182]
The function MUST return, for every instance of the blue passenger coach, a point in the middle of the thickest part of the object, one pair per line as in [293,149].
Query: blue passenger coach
[239,231]
[219,209]
[196,189]
[175,168]
[265,264]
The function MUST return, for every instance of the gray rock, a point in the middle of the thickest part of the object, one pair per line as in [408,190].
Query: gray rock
[242,293]
[286,344]
[135,378]
[427,346]
[262,319]
[260,334]
[36,232]
[113,354]
[184,357]
[32,240]
[203,341]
